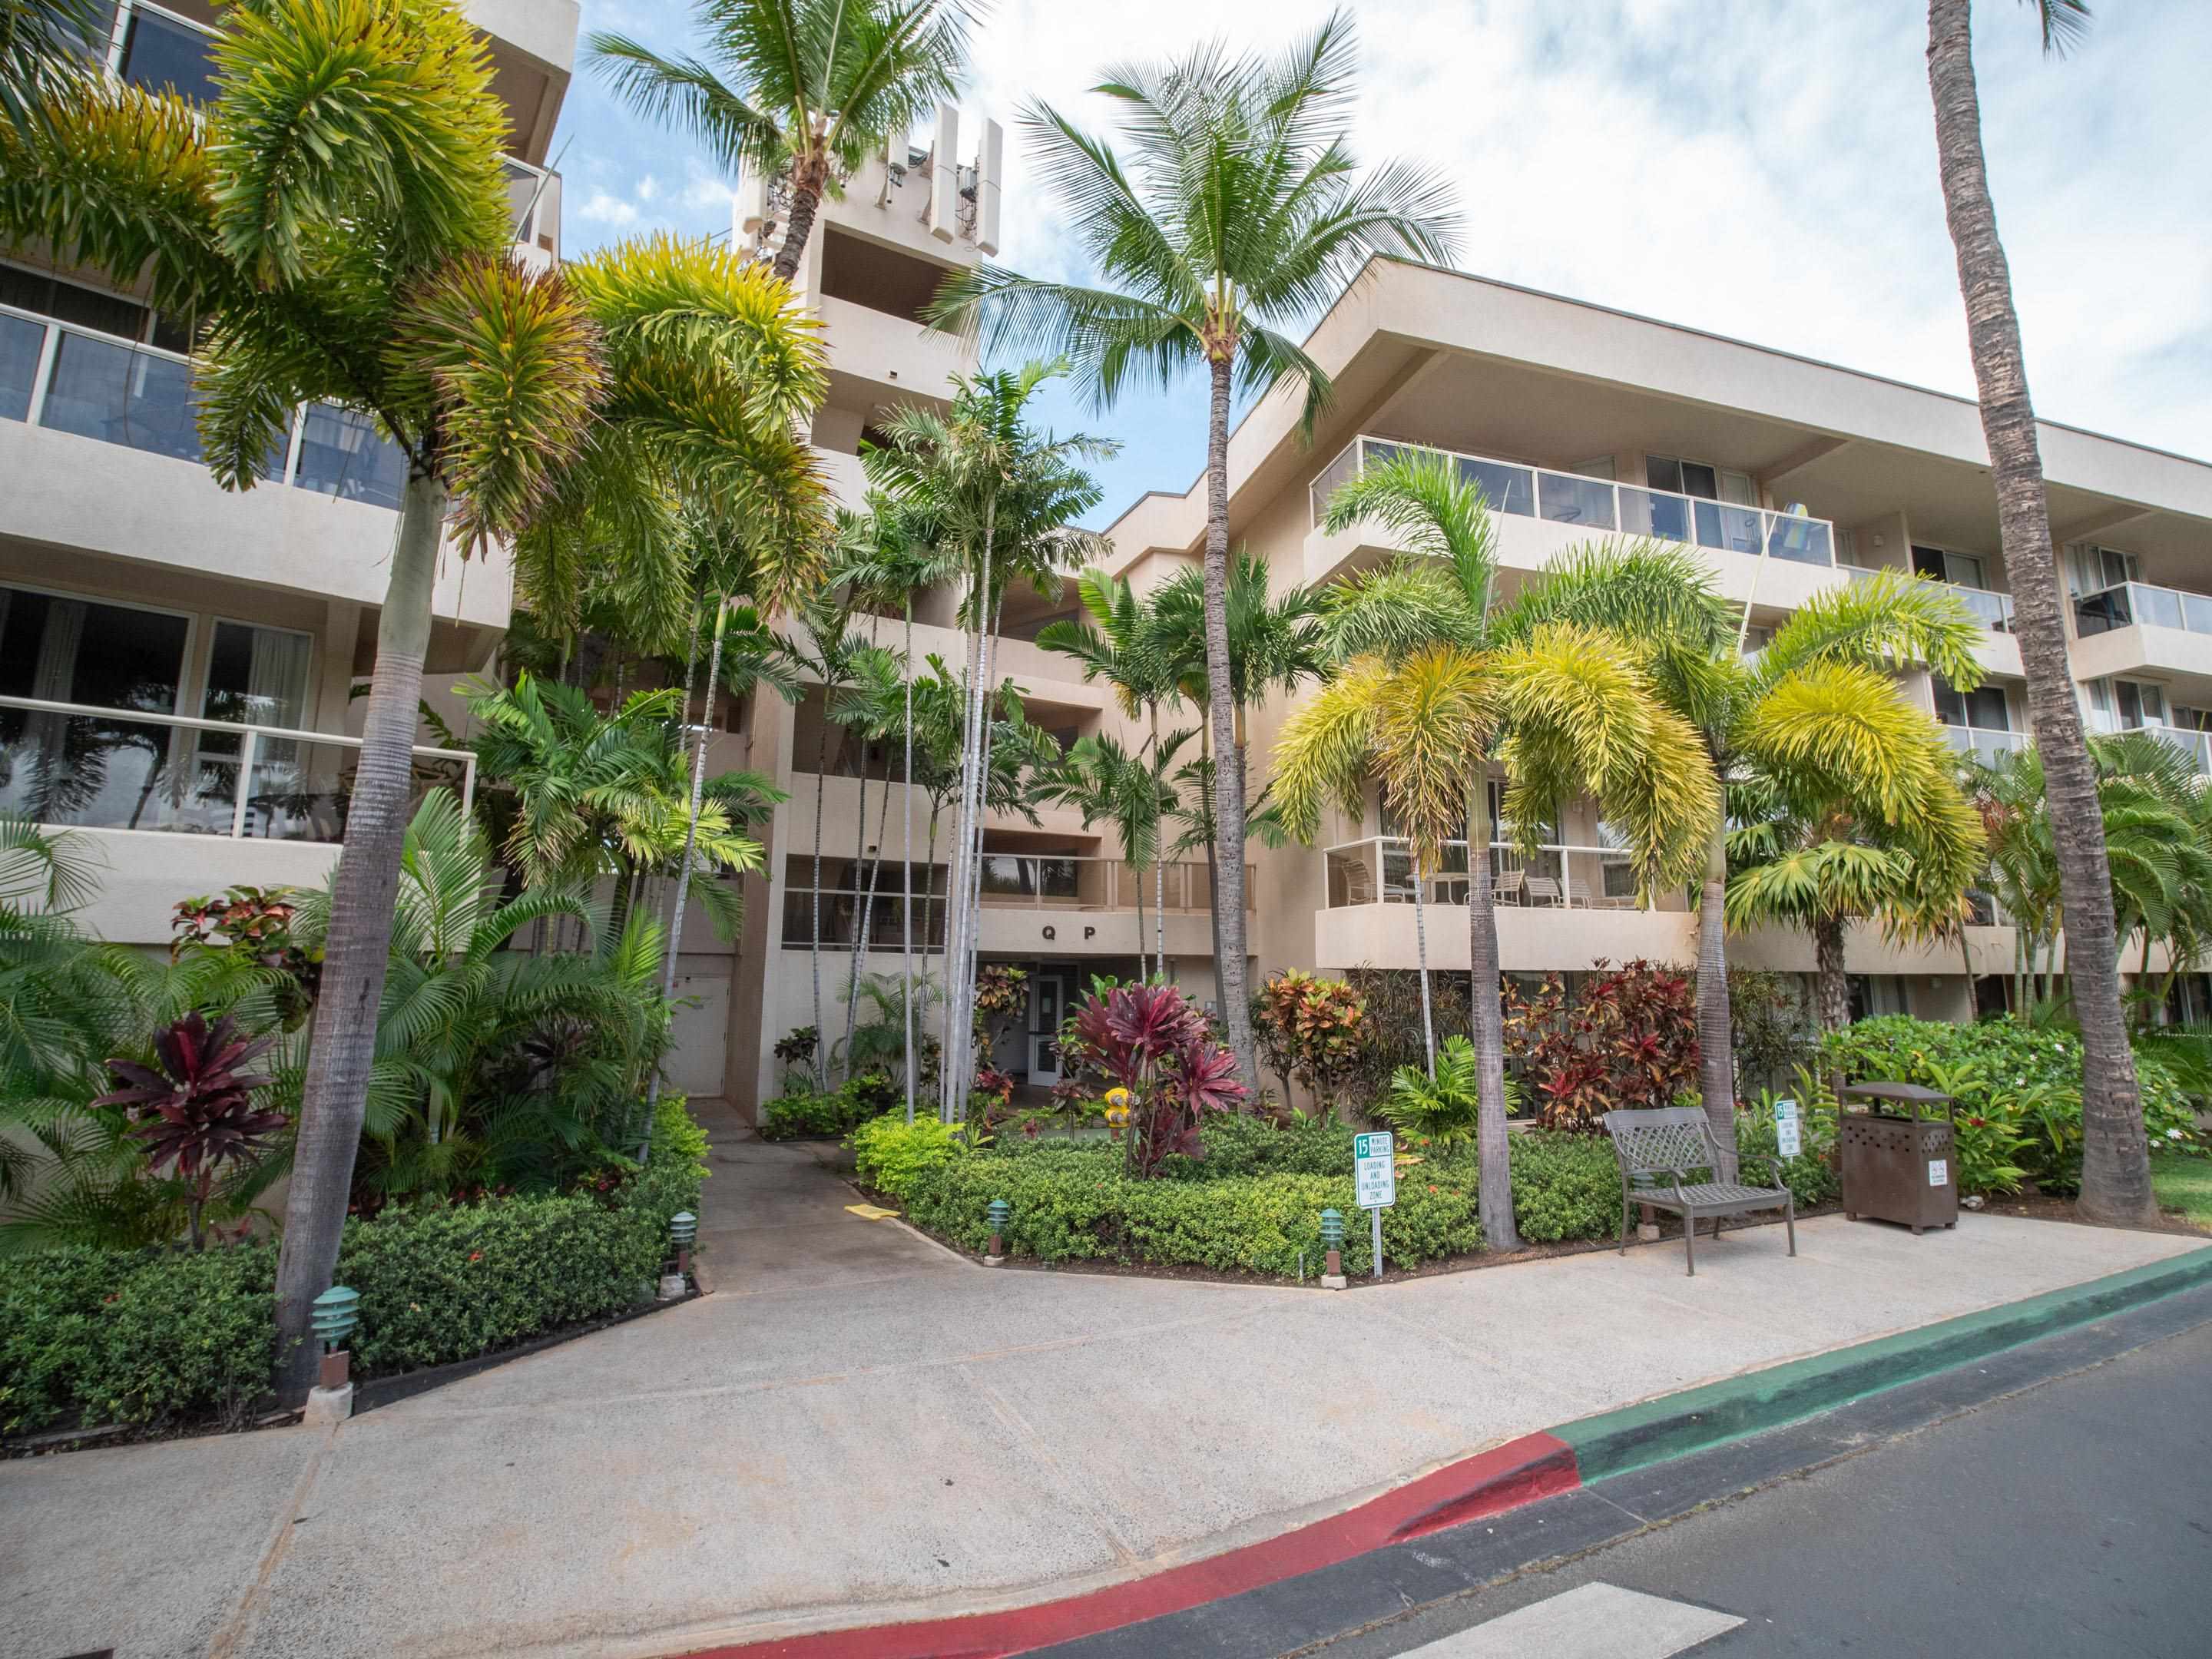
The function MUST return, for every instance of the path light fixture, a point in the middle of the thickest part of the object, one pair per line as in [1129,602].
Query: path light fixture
[998,1209]
[682,1228]
[1332,1237]
[336,1311]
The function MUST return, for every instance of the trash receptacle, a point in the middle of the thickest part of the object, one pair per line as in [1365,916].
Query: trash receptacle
[1897,1165]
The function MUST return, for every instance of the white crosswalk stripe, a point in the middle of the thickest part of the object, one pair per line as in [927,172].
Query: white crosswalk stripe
[1595,1622]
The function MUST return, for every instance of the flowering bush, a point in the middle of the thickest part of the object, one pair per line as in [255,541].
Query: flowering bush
[1152,1040]
[1316,1032]
[1625,1039]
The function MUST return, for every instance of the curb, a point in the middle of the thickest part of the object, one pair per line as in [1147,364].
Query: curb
[1520,1472]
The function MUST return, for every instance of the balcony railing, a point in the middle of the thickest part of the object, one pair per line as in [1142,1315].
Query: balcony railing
[1379,870]
[1984,744]
[1010,881]
[67,379]
[1995,608]
[85,766]
[1528,492]
[2133,604]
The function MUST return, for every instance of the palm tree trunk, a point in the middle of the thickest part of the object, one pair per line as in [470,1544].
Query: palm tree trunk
[906,865]
[1207,772]
[1229,791]
[1715,1034]
[1493,1147]
[974,953]
[856,945]
[1421,954]
[1833,989]
[1159,869]
[956,875]
[806,198]
[960,981]
[2115,1158]
[867,921]
[814,946]
[358,944]
[1144,969]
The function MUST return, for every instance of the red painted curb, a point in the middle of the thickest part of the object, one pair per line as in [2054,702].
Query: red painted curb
[1520,1472]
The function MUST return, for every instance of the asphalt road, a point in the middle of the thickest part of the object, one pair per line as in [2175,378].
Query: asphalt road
[2074,1518]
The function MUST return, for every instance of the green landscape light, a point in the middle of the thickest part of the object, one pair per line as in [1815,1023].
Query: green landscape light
[1332,1228]
[998,1209]
[337,1310]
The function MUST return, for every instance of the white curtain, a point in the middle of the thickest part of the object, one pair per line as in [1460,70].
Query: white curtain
[275,695]
[53,678]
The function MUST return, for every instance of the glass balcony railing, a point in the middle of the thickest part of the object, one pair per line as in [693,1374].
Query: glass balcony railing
[1379,870]
[1984,744]
[87,767]
[1008,881]
[2138,604]
[140,397]
[1601,504]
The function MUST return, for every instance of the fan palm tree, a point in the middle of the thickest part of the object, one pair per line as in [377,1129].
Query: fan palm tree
[1437,683]
[359,258]
[1245,215]
[804,89]
[2115,1156]
[999,500]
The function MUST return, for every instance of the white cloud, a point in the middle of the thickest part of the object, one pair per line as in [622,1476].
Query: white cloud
[600,208]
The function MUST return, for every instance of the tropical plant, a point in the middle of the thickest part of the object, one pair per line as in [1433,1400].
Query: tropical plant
[44,45]
[359,258]
[1819,709]
[1155,1044]
[997,500]
[891,1153]
[1445,1107]
[1244,215]
[254,923]
[2116,1168]
[1767,1021]
[1437,683]
[1131,790]
[1317,1032]
[192,1108]
[803,91]
[1625,1039]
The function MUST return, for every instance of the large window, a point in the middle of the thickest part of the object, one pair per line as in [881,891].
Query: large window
[1966,569]
[104,770]
[1983,708]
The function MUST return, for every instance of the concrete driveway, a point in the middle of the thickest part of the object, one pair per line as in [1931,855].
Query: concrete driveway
[858,1426]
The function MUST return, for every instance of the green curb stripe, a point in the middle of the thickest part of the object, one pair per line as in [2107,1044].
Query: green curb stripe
[1614,1443]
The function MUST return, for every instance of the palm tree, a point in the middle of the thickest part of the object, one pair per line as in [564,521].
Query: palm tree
[1246,215]
[44,45]
[1117,645]
[359,258]
[1820,700]
[873,709]
[806,89]
[887,565]
[1435,683]
[998,499]
[2115,1156]
[1130,789]
[830,658]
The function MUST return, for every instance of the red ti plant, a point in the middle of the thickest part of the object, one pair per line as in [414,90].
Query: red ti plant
[1626,1039]
[192,1108]
[1156,1043]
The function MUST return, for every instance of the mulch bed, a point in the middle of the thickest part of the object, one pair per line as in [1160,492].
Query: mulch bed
[2031,1206]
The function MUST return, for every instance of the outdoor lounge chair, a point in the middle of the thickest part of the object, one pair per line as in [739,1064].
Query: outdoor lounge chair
[1678,1141]
[1508,888]
[1543,890]
[1580,897]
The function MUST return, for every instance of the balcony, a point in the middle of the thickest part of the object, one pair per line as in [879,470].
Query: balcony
[2133,626]
[1984,744]
[1516,491]
[1379,870]
[81,766]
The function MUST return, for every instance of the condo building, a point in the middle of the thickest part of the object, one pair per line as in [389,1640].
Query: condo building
[178,663]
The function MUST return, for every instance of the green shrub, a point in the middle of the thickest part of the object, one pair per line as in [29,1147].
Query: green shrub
[158,1337]
[1233,1144]
[805,1115]
[677,1136]
[1811,1176]
[891,1153]
[1565,1186]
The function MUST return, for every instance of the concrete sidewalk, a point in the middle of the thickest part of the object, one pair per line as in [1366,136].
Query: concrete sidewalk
[858,1426]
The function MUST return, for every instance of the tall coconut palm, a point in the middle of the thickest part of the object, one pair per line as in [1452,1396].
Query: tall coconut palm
[1818,703]
[803,89]
[1245,215]
[359,258]
[999,499]
[2115,1154]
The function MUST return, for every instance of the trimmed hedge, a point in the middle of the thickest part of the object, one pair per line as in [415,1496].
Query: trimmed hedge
[161,1337]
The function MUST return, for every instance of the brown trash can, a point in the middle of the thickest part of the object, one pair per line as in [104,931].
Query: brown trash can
[1899,1165]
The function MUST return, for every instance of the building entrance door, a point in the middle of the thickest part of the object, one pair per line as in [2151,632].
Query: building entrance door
[1048,1002]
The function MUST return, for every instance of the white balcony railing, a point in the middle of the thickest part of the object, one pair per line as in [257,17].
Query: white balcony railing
[1984,744]
[85,766]
[2130,604]
[1010,881]
[1601,504]
[1379,870]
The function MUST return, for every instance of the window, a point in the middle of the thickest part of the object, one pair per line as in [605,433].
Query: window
[2125,705]
[102,771]
[1699,478]
[341,453]
[2091,569]
[164,53]
[1983,708]
[1966,569]
[90,308]
[1875,994]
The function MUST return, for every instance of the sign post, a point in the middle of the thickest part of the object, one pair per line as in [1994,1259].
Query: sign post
[1374,1183]
[1787,1139]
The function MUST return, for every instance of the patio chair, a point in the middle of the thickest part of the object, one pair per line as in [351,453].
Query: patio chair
[1359,883]
[1678,1141]
[1579,895]
[1510,888]
[1543,890]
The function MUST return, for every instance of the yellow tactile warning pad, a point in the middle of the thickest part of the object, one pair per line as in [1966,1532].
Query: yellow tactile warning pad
[871,1212]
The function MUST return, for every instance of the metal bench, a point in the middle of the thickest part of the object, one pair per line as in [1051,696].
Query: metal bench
[1678,1141]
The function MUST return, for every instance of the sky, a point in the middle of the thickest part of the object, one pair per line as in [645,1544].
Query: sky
[1764,169]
